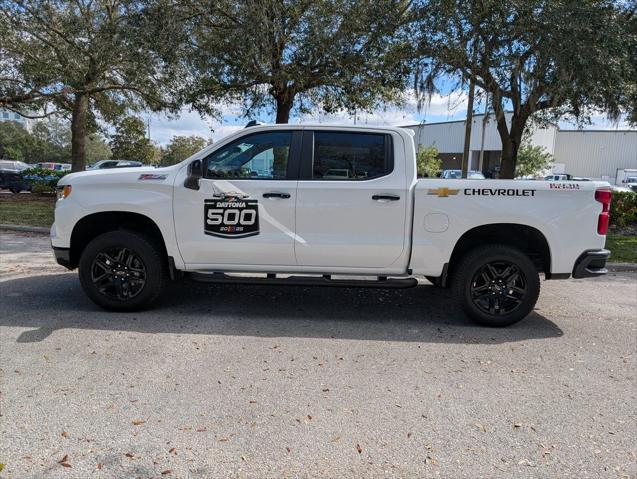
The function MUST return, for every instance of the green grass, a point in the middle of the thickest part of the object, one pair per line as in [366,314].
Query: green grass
[26,210]
[37,211]
[623,248]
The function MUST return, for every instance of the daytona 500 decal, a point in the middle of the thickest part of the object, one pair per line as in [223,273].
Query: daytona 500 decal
[231,217]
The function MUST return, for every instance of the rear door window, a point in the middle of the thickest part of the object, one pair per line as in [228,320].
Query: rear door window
[342,156]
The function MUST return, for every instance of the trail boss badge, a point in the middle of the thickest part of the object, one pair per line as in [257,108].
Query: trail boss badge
[231,217]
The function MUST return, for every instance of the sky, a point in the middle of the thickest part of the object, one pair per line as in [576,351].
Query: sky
[442,107]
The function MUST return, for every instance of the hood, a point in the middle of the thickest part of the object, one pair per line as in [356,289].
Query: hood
[117,175]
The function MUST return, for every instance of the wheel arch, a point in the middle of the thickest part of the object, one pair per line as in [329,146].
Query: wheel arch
[527,239]
[95,224]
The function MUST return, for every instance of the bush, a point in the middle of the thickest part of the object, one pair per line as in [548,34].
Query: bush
[623,209]
[41,180]
[427,162]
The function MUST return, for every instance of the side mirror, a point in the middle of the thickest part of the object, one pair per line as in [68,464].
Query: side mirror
[195,172]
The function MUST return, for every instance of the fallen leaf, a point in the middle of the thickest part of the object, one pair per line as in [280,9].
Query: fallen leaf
[130,455]
[172,450]
[480,426]
[359,448]
[223,439]
[517,424]
[65,464]
[1,467]
[309,417]
[335,439]
[203,429]
[64,459]
[408,435]
[253,402]
[326,390]
[288,449]
[65,434]
[243,458]
[100,465]
[138,422]
[166,472]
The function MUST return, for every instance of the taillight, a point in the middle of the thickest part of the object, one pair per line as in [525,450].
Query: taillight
[604,196]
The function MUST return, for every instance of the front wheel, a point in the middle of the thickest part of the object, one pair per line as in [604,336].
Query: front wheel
[123,271]
[496,285]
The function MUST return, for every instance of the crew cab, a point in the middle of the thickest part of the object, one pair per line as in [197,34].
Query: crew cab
[325,205]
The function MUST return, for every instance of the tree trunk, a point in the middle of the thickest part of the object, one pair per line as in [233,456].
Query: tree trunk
[79,121]
[284,103]
[510,159]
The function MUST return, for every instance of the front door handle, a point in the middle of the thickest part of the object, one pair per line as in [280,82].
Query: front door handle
[274,194]
[385,197]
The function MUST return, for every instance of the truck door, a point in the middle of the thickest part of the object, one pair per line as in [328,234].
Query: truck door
[351,200]
[243,212]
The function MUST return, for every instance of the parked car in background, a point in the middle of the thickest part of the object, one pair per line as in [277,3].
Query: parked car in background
[457,174]
[13,165]
[12,180]
[54,166]
[631,182]
[10,177]
[621,189]
[565,177]
[105,164]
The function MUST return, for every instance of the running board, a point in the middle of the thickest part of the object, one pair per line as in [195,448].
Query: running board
[325,280]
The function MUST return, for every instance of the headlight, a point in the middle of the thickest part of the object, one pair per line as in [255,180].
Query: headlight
[63,191]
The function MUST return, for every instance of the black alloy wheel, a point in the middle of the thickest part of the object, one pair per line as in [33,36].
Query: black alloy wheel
[498,288]
[118,273]
[123,270]
[496,285]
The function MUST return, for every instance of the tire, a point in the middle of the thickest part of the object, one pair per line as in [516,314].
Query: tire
[123,271]
[496,285]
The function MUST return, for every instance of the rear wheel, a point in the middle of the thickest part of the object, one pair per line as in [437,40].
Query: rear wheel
[123,271]
[496,285]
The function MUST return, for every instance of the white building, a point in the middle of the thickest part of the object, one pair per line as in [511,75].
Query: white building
[595,154]
[8,115]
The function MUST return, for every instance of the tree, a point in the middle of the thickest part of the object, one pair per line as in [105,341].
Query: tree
[129,142]
[532,160]
[181,147]
[536,58]
[97,149]
[327,54]
[16,143]
[427,162]
[84,59]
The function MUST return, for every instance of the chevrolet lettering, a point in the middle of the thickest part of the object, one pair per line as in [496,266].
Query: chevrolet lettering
[498,192]
[325,205]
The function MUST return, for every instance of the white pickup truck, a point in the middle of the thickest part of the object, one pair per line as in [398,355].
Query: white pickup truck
[301,205]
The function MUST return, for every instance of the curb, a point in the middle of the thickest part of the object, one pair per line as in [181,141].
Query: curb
[26,229]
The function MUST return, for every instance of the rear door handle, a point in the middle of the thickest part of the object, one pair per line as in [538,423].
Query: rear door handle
[385,197]
[275,194]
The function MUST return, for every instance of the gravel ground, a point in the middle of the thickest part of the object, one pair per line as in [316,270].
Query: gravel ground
[238,381]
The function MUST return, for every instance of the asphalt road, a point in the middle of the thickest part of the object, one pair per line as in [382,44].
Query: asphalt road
[249,381]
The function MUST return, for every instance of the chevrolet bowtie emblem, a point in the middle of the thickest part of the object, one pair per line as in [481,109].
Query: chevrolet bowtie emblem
[442,192]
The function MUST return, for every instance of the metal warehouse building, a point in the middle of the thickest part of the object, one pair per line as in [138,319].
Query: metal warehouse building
[595,154]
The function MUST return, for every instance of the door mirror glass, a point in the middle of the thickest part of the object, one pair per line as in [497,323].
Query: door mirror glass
[195,172]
